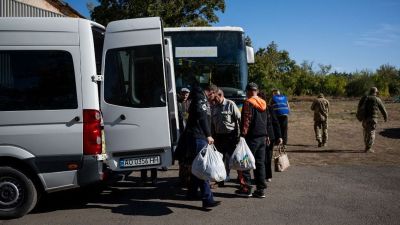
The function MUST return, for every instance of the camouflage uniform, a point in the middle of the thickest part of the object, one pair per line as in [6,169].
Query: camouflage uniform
[373,105]
[320,106]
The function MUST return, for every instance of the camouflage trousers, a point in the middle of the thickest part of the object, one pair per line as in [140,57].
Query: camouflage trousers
[321,131]
[369,126]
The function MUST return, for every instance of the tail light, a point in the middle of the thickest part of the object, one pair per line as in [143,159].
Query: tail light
[91,132]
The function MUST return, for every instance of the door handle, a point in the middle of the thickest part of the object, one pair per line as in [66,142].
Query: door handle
[122,117]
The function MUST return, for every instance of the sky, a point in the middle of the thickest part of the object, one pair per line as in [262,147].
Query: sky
[349,35]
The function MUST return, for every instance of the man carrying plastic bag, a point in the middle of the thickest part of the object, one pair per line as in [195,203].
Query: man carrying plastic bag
[208,165]
[254,130]
[242,158]
[198,135]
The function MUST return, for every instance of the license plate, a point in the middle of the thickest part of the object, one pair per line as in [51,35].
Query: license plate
[140,161]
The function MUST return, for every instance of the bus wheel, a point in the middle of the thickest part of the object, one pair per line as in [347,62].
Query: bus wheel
[18,194]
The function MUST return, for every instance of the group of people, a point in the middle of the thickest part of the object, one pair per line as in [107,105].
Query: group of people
[209,118]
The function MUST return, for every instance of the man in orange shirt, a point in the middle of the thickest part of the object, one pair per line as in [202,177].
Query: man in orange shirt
[254,130]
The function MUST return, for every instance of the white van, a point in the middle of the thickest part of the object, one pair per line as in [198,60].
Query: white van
[52,107]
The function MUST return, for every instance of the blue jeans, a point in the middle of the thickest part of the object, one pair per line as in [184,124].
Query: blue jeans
[195,183]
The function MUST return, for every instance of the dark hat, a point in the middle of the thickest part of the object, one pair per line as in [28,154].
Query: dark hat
[252,86]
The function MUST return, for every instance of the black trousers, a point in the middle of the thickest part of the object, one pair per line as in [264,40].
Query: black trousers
[257,147]
[268,159]
[283,123]
[226,144]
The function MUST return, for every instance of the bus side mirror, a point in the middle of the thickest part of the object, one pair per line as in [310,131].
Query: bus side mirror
[250,54]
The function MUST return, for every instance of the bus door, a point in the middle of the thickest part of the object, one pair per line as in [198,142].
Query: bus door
[134,96]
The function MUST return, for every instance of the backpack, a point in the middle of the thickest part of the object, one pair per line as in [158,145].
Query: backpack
[361,109]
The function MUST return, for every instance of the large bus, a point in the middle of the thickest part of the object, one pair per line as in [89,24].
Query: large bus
[216,55]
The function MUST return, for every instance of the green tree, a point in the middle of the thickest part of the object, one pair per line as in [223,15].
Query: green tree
[334,85]
[175,13]
[271,67]
[307,82]
[388,77]
[324,69]
[360,83]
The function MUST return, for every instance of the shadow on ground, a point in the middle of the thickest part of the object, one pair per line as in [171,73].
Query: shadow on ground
[393,133]
[322,150]
[124,197]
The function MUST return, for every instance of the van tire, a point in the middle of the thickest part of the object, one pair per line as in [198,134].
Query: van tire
[18,194]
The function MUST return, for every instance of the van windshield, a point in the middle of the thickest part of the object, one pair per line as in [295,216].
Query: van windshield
[134,77]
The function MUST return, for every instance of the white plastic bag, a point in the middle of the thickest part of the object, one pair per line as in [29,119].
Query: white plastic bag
[208,165]
[242,158]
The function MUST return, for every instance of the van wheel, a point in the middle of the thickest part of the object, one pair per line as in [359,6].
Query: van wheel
[18,194]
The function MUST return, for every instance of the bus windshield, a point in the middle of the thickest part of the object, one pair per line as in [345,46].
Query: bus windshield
[204,57]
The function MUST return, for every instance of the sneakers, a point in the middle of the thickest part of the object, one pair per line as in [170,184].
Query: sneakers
[243,193]
[269,180]
[259,193]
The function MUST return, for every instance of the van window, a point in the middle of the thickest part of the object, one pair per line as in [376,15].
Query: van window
[98,41]
[37,80]
[134,77]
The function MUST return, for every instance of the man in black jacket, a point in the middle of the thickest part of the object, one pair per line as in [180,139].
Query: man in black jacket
[198,135]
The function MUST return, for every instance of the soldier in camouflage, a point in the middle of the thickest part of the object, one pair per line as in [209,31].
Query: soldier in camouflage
[372,105]
[320,106]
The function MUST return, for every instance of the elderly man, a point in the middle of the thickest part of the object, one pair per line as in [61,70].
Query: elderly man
[183,107]
[320,106]
[225,119]
[371,105]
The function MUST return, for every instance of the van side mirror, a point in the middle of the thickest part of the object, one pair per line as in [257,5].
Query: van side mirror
[250,54]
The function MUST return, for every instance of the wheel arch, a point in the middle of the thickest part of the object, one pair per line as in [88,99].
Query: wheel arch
[24,167]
